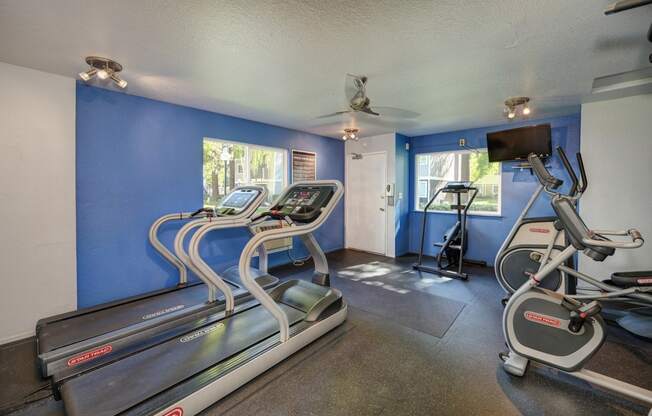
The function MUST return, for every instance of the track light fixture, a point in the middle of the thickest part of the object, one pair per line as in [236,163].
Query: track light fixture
[517,105]
[350,134]
[103,68]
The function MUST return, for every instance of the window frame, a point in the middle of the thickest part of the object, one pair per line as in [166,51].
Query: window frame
[249,146]
[415,200]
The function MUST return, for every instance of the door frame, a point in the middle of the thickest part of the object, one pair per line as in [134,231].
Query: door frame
[347,200]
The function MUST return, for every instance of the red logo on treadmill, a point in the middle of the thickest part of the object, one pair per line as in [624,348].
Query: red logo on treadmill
[177,411]
[542,319]
[90,355]
[539,230]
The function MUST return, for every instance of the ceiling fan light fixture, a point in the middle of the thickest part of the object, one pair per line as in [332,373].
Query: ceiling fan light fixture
[526,110]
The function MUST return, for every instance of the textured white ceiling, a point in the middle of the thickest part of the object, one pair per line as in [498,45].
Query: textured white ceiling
[283,62]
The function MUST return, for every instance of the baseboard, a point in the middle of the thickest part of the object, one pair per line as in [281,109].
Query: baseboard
[17,337]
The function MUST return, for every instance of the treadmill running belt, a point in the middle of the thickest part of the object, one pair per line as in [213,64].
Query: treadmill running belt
[70,331]
[119,386]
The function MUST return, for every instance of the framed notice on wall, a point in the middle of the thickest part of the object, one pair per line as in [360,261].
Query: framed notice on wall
[304,166]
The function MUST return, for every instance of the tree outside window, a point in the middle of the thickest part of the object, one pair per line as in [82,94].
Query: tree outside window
[434,170]
[230,164]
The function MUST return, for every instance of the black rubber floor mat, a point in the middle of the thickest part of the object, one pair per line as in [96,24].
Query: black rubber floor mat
[423,312]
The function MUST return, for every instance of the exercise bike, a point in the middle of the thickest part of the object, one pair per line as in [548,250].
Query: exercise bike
[561,331]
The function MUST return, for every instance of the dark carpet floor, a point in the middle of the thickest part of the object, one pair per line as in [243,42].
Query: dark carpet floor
[413,344]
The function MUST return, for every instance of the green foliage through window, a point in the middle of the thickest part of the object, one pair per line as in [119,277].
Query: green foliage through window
[229,164]
[434,170]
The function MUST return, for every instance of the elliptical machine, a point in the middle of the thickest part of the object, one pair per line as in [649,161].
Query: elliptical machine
[520,258]
[536,235]
[450,258]
[561,331]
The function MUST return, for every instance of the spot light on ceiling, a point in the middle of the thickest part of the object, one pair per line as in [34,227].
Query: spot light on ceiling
[515,106]
[104,69]
[350,134]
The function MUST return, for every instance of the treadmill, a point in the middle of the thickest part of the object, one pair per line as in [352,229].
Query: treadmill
[72,342]
[185,374]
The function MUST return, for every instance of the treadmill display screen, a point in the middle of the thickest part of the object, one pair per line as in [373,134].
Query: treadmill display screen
[302,197]
[238,199]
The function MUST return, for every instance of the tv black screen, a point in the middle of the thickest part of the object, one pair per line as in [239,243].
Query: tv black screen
[516,144]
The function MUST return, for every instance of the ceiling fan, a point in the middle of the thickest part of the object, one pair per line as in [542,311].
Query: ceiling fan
[356,94]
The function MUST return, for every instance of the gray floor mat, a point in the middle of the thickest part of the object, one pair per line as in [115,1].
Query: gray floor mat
[420,311]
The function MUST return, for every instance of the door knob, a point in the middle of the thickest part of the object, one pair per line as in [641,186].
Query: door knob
[382,209]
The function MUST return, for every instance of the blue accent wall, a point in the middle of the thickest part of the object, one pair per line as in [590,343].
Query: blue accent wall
[402,186]
[138,159]
[486,233]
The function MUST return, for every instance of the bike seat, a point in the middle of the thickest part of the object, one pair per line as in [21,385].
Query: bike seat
[631,279]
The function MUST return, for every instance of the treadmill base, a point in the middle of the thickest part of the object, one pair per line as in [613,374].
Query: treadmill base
[206,396]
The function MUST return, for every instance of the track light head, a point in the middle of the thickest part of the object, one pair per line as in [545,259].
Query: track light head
[87,75]
[119,81]
[102,74]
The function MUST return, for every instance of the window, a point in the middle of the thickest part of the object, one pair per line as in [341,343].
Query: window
[433,170]
[230,164]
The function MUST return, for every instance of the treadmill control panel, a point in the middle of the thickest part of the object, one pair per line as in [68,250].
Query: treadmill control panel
[237,201]
[303,203]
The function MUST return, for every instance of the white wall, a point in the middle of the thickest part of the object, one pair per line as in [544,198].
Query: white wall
[37,198]
[382,143]
[616,144]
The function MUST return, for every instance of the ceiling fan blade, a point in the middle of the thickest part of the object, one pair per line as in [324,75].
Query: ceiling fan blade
[396,112]
[368,110]
[363,120]
[337,113]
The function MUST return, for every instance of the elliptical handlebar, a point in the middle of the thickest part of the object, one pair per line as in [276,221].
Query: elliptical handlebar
[570,171]
[585,181]
[551,182]
[634,234]
[547,180]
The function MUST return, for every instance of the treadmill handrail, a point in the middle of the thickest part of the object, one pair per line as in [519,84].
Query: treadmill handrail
[160,247]
[206,273]
[171,257]
[179,238]
[296,230]
[193,260]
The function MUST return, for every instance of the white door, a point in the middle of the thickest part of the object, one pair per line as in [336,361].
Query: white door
[365,203]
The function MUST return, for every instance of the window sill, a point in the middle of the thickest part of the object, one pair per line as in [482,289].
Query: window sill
[470,214]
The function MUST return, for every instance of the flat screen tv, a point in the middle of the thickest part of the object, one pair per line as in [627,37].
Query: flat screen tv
[517,144]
